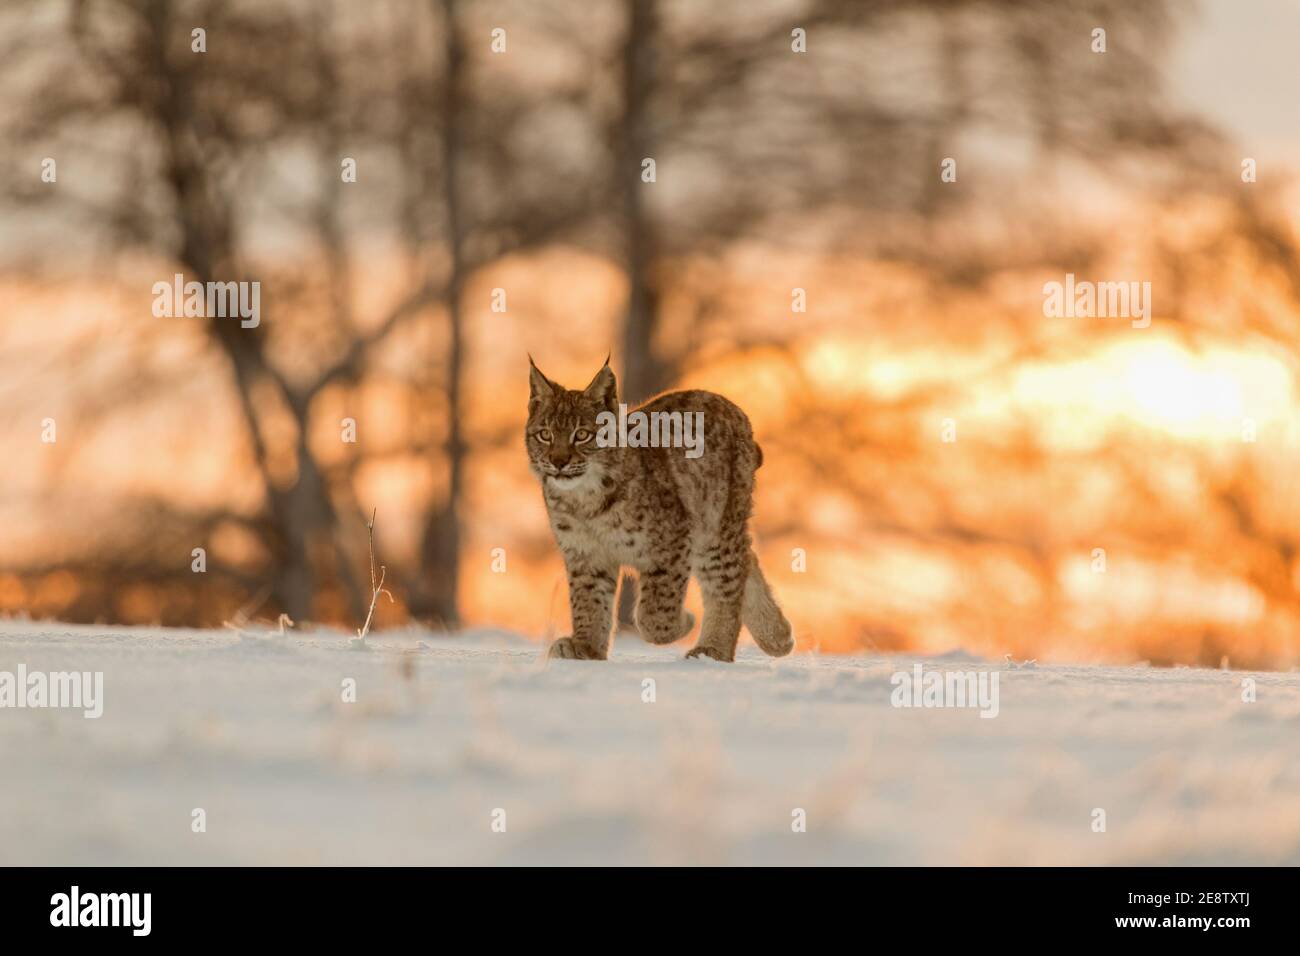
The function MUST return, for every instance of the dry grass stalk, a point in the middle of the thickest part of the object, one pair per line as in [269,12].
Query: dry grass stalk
[376,584]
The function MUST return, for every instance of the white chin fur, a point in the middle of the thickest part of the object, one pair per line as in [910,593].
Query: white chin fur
[564,482]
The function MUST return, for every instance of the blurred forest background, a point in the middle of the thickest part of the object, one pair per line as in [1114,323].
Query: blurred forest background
[1113,493]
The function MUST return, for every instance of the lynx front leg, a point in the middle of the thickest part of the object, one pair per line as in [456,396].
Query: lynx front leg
[659,614]
[591,602]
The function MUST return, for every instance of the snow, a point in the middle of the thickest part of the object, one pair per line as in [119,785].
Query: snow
[446,730]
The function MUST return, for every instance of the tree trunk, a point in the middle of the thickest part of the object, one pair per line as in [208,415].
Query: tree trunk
[644,372]
[436,595]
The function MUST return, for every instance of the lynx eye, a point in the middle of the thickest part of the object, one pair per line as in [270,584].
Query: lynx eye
[544,436]
[581,435]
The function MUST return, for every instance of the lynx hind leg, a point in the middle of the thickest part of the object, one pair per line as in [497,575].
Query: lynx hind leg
[722,572]
[723,567]
[659,614]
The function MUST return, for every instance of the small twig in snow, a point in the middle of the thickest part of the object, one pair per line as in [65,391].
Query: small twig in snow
[376,584]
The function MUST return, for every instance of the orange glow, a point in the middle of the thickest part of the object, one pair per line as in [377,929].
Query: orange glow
[910,542]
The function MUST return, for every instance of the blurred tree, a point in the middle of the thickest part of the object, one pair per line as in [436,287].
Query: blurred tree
[153,79]
[435,590]
[196,147]
[214,161]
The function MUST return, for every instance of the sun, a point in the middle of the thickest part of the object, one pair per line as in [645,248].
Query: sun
[1173,389]
[1201,394]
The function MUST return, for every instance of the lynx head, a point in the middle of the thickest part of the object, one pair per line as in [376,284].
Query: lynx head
[562,426]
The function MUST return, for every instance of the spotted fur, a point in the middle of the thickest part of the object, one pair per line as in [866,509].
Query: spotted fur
[656,511]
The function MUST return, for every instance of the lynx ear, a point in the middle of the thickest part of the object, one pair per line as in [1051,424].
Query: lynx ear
[604,387]
[539,386]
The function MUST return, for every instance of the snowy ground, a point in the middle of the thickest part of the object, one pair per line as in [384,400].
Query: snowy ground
[445,731]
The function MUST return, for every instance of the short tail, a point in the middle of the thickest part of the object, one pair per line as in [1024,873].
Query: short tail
[768,626]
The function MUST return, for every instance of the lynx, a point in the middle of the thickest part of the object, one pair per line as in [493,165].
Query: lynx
[656,510]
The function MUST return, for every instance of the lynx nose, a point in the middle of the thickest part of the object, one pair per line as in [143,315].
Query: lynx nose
[559,458]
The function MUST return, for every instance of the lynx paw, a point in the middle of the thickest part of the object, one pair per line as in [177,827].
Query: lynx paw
[659,631]
[717,655]
[573,649]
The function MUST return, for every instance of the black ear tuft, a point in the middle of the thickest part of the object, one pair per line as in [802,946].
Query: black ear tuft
[604,388]
[539,386]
